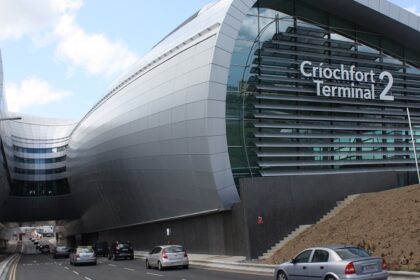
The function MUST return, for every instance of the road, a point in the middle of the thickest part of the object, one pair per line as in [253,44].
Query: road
[38,266]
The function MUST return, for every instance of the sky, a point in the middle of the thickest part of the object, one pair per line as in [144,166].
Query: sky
[61,56]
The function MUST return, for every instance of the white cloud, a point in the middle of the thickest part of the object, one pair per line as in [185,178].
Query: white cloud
[93,52]
[31,92]
[22,17]
[414,10]
[53,22]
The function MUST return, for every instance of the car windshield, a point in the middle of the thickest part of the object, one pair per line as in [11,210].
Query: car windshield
[174,249]
[351,253]
[84,250]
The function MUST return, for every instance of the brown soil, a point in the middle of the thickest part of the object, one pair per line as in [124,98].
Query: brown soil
[386,223]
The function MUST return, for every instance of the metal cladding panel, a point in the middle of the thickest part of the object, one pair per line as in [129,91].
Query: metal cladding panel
[155,147]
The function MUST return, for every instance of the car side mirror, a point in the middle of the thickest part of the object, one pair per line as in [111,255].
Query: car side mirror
[293,261]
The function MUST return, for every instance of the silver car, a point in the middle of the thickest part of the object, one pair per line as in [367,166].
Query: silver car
[167,256]
[333,262]
[82,255]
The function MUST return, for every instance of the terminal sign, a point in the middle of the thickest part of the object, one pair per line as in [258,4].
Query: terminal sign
[350,75]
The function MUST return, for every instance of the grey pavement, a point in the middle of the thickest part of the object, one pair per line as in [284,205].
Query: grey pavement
[33,265]
[37,267]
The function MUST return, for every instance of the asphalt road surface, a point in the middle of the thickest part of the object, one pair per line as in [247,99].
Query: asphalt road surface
[43,267]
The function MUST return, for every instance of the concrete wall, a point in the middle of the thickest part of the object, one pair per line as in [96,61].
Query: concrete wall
[286,202]
[219,233]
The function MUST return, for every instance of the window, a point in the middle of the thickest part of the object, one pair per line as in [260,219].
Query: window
[39,171]
[39,188]
[174,249]
[320,256]
[40,160]
[303,257]
[351,252]
[39,150]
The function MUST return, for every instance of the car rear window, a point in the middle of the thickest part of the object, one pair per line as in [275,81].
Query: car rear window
[123,246]
[174,249]
[84,250]
[351,253]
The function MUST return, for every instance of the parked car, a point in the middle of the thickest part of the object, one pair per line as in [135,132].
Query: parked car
[61,252]
[82,255]
[167,256]
[333,262]
[121,250]
[101,248]
[45,249]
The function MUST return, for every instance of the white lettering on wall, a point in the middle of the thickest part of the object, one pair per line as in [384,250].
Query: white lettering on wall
[358,84]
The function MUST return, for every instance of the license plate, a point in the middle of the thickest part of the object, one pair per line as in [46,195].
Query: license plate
[369,268]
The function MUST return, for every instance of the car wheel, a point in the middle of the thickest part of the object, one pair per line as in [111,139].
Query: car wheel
[147,264]
[160,267]
[281,276]
[330,277]
[185,266]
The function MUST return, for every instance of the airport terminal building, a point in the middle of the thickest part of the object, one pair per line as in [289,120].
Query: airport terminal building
[267,111]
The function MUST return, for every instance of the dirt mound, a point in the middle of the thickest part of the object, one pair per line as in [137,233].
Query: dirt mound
[386,223]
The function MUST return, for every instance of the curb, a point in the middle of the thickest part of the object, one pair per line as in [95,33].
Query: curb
[402,275]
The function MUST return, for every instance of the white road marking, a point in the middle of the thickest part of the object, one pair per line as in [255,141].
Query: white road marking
[87,278]
[66,267]
[75,272]
[130,269]
[154,274]
[113,265]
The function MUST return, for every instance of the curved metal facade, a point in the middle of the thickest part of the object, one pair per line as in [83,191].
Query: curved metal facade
[155,147]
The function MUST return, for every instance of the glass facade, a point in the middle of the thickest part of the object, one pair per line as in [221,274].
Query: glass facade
[39,150]
[40,188]
[39,171]
[307,94]
[39,160]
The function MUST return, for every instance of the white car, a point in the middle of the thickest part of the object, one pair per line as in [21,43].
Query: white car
[167,256]
[82,255]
